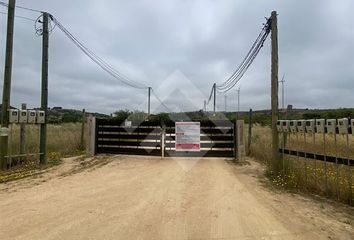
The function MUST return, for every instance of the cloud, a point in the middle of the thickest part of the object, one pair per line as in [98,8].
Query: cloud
[205,40]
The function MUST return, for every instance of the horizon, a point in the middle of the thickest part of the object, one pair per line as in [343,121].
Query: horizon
[202,49]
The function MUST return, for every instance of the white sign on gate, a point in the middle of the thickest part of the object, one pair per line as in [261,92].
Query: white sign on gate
[187,136]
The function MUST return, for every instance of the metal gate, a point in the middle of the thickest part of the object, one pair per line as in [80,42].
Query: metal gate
[216,140]
[148,138]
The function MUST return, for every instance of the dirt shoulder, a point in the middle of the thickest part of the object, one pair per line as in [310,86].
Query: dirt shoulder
[129,197]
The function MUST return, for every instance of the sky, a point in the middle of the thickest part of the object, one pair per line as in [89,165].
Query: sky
[180,48]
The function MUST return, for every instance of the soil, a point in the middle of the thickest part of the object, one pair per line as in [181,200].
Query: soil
[130,197]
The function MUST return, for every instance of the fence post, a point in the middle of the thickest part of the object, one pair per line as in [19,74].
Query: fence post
[91,136]
[23,134]
[241,151]
[249,133]
[163,133]
[235,140]
[83,129]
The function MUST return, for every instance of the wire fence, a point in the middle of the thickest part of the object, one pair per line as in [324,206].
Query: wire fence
[318,155]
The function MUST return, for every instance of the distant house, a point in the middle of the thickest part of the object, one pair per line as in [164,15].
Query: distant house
[57,108]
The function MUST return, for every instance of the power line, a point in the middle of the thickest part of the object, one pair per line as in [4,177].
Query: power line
[30,9]
[211,95]
[99,61]
[18,16]
[4,4]
[21,7]
[245,64]
[247,56]
[247,61]
[162,103]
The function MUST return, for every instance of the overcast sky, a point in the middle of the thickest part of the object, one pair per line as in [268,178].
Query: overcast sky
[180,48]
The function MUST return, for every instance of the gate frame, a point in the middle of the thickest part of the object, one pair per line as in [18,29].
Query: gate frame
[92,143]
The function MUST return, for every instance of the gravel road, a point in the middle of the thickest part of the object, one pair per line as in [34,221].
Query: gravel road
[129,197]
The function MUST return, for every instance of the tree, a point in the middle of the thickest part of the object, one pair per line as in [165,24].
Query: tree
[137,115]
[122,114]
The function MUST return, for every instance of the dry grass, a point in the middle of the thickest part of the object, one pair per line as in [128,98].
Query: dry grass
[63,139]
[329,179]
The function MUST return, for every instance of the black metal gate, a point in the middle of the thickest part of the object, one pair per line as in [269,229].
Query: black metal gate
[146,138]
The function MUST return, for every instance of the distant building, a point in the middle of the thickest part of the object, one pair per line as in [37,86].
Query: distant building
[57,108]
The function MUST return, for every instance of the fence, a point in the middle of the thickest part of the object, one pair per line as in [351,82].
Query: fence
[319,154]
[217,140]
[110,136]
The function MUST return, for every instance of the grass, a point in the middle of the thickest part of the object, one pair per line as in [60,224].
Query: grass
[63,140]
[328,179]
[28,169]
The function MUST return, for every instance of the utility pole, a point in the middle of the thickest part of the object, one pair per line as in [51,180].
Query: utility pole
[282,93]
[225,103]
[44,98]
[214,97]
[284,113]
[7,83]
[274,98]
[249,133]
[238,103]
[149,104]
[204,106]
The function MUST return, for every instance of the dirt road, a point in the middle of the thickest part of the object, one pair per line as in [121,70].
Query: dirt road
[152,198]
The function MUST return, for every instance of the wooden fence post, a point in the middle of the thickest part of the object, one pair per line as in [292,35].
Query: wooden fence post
[82,140]
[91,136]
[235,140]
[163,133]
[241,151]
[23,134]
[249,133]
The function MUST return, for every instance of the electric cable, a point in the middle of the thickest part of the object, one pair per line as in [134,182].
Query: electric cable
[162,103]
[22,17]
[99,61]
[247,61]
[22,7]
[211,94]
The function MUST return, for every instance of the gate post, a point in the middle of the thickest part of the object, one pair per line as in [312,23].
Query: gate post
[235,139]
[91,136]
[241,148]
[163,133]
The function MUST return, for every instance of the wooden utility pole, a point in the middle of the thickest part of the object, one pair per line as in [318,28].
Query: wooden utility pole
[214,97]
[238,103]
[282,93]
[83,121]
[275,110]
[7,83]
[44,98]
[225,103]
[149,103]
[249,133]
[23,133]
